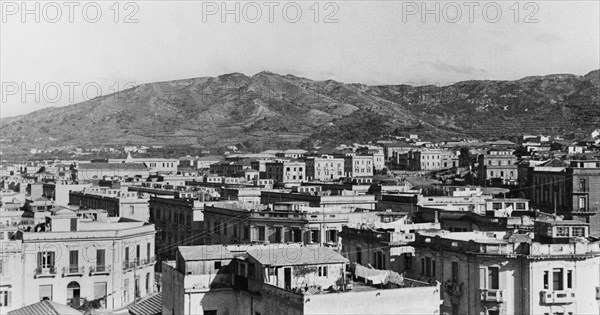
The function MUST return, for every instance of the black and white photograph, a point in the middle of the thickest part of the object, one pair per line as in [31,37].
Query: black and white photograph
[302,157]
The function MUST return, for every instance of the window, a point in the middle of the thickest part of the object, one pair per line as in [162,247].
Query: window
[497,205]
[100,292]
[428,267]
[562,231]
[217,265]
[520,206]
[74,224]
[261,233]
[493,278]
[569,279]
[546,280]
[359,255]
[45,259]
[5,298]
[314,236]
[100,261]
[582,203]
[126,291]
[246,232]
[582,185]
[46,292]
[148,252]
[332,236]
[557,279]
[322,271]
[235,231]
[455,271]
[131,210]
[73,261]
[577,231]
[277,235]
[407,261]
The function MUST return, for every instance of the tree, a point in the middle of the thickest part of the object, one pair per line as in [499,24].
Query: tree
[465,157]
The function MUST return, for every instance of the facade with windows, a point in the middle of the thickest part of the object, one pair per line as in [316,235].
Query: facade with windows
[498,166]
[431,160]
[79,256]
[282,279]
[571,189]
[284,223]
[283,172]
[325,168]
[504,273]
[117,202]
[359,166]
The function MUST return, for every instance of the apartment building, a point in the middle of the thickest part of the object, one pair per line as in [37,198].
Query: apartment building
[359,166]
[281,280]
[59,191]
[117,202]
[285,172]
[292,222]
[325,168]
[431,159]
[494,273]
[571,189]
[383,243]
[317,198]
[77,257]
[498,167]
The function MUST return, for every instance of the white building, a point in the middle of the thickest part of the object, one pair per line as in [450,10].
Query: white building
[74,257]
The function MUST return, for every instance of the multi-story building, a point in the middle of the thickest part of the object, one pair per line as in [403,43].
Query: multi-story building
[179,221]
[358,166]
[77,257]
[59,191]
[90,171]
[283,223]
[325,168]
[384,243]
[571,190]
[283,172]
[281,280]
[431,159]
[229,169]
[497,272]
[317,198]
[117,202]
[498,166]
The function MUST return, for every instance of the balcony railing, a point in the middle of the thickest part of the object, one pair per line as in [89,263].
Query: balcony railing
[492,295]
[453,288]
[73,270]
[128,265]
[590,210]
[557,296]
[100,269]
[41,272]
[147,261]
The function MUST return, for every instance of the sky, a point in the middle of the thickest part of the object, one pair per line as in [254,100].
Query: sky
[56,53]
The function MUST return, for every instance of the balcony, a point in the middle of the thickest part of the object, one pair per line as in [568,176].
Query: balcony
[453,288]
[557,296]
[73,271]
[127,265]
[45,272]
[591,210]
[100,270]
[492,295]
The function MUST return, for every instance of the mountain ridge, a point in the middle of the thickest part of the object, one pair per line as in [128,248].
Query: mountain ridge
[271,109]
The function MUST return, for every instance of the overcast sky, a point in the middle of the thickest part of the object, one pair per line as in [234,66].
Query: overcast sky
[372,42]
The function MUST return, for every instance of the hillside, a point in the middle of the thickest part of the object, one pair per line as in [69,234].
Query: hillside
[268,109]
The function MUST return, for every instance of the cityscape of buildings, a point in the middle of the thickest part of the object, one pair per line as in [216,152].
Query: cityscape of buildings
[399,225]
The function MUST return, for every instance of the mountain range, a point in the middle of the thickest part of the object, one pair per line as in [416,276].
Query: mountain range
[271,110]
